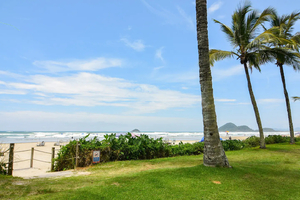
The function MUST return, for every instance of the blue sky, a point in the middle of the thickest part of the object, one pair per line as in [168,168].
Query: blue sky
[119,65]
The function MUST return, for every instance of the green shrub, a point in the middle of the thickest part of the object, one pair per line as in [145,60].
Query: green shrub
[187,149]
[273,139]
[230,145]
[126,147]
[252,141]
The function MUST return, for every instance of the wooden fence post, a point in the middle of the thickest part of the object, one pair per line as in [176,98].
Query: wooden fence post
[76,159]
[11,158]
[31,159]
[52,160]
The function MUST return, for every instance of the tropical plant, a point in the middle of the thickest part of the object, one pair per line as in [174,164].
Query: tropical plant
[214,154]
[283,26]
[252,141]
[248,47]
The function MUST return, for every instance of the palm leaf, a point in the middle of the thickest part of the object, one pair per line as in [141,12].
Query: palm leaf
[296,98]
[267,37]
[291,22]
[264,16]
[216,55]
[227,30]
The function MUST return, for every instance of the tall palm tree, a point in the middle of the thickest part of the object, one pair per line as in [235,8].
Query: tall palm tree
[248,47]
[214,154]
[285,25]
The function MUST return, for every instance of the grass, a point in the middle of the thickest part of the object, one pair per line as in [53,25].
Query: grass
[271,173]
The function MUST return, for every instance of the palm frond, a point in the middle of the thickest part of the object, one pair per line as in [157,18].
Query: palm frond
[294,43]
[239,23]
[296,98]
[227,30]
[261,57]
[291,22]
[216,55]
[264,16]
[283,56]
[292,59]
[267,37]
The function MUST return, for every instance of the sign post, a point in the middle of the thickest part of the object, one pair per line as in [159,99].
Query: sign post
[96,156]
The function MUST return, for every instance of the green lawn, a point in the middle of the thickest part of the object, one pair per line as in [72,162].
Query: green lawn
[272,173]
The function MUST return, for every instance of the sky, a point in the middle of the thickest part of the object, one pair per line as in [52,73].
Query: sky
[99,65]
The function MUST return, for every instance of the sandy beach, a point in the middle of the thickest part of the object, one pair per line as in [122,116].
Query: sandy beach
[42,157]
[22,154]
[223,137]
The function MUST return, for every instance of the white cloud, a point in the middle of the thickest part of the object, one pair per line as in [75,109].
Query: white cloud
[225,100]
[9,74]
[137,45]
[188,77]
[271,101]
[215,6]
[158,68]
[158,53]
[219,74]
[79,65]
[88,89]
[12,92]
[188,19]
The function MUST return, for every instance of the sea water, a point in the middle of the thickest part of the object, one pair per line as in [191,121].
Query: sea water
[65,136]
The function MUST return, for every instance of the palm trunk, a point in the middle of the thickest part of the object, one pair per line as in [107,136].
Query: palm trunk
[261,132]
[288,107]
[214,154]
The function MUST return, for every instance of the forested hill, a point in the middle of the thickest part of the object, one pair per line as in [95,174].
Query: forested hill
[231,127]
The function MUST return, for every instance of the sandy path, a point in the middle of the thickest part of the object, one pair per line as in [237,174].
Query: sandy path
[41,159]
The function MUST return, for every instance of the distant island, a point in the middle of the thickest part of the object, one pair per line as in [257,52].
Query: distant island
[135,131]
[231,127]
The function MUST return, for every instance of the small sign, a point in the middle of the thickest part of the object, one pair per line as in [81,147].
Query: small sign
[96,156]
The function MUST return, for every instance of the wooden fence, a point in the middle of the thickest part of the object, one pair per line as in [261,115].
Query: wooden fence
[11,152]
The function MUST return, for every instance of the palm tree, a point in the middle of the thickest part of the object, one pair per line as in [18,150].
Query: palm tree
[285,25]
[248,47]
[214,154]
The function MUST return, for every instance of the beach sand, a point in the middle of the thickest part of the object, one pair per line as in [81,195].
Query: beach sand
[223,137]
[22,154]
[42,158]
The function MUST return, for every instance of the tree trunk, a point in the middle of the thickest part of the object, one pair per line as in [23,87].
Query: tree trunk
[214,154]
[288,107]
[261,132]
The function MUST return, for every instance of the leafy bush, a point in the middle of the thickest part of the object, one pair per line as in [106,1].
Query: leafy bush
[273,139]
[252,141]
[187,149]
[230,145]
[126,147]
[66,155]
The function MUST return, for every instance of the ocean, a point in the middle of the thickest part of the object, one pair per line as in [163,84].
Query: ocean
[65,136]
